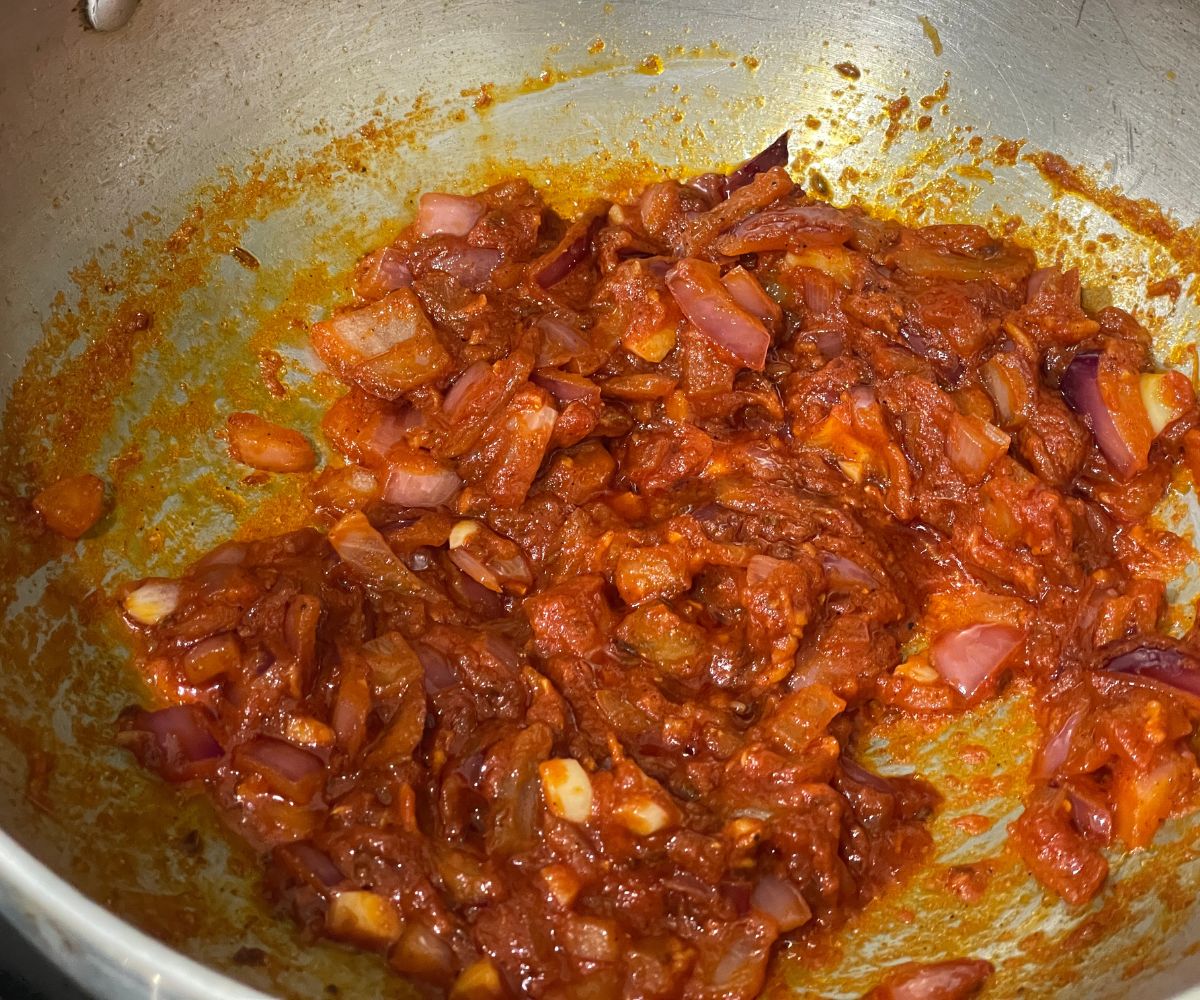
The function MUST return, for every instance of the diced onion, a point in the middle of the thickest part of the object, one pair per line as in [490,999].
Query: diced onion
[969,659]
[696,287]
[1057,748]
[774,155]
[447,214]
[973,446]
[749,295]
[307,730]
[177,741]
[780,900]
[760,568]
[457,394]
[1165,664]
[360,546]
[290,771]
[217,655]
[461,533]
[415,479]
[1119,439]
[381,272]
[593,939]
[566,387]
[560,343]
[652,346]
[956,979]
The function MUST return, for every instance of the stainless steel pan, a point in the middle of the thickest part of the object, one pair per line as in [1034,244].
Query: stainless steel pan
[109,141]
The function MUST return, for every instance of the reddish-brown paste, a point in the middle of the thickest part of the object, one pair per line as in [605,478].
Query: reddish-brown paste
[625,523]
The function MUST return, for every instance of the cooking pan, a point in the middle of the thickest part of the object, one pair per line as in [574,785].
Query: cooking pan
[136,160]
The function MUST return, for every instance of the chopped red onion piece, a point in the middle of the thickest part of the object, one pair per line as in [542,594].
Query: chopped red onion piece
[175,741]
[970,659]
[956,979]
[447,214]
[365,550]
[750,296]
[1168,665]
[457,394]
[381,272]
[1081,389]
[439,674]
[1057,749]
[471,267]
[1090,813]
[775,155]
[419,481]
[1037,280]
[565,387]
[760,567]
[780,900]
[287,769]
[696,287]
[570,254]
[714,187]
[843,572]
[315,862]
[860,775]
[560,343]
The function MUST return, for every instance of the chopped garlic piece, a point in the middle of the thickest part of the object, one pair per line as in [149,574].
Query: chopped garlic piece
[643,816]
[153,601]
[461,533]
[1162,398]
[567,788]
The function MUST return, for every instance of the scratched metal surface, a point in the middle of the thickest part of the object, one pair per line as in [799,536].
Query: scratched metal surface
[97,129]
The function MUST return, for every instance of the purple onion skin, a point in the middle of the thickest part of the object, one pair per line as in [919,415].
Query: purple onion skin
[1167,665]
[1089,818]
[775,155]
[1079,381]
[571,257]
[860,775]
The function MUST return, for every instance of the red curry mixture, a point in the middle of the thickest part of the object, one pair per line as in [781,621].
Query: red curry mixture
[631,526]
